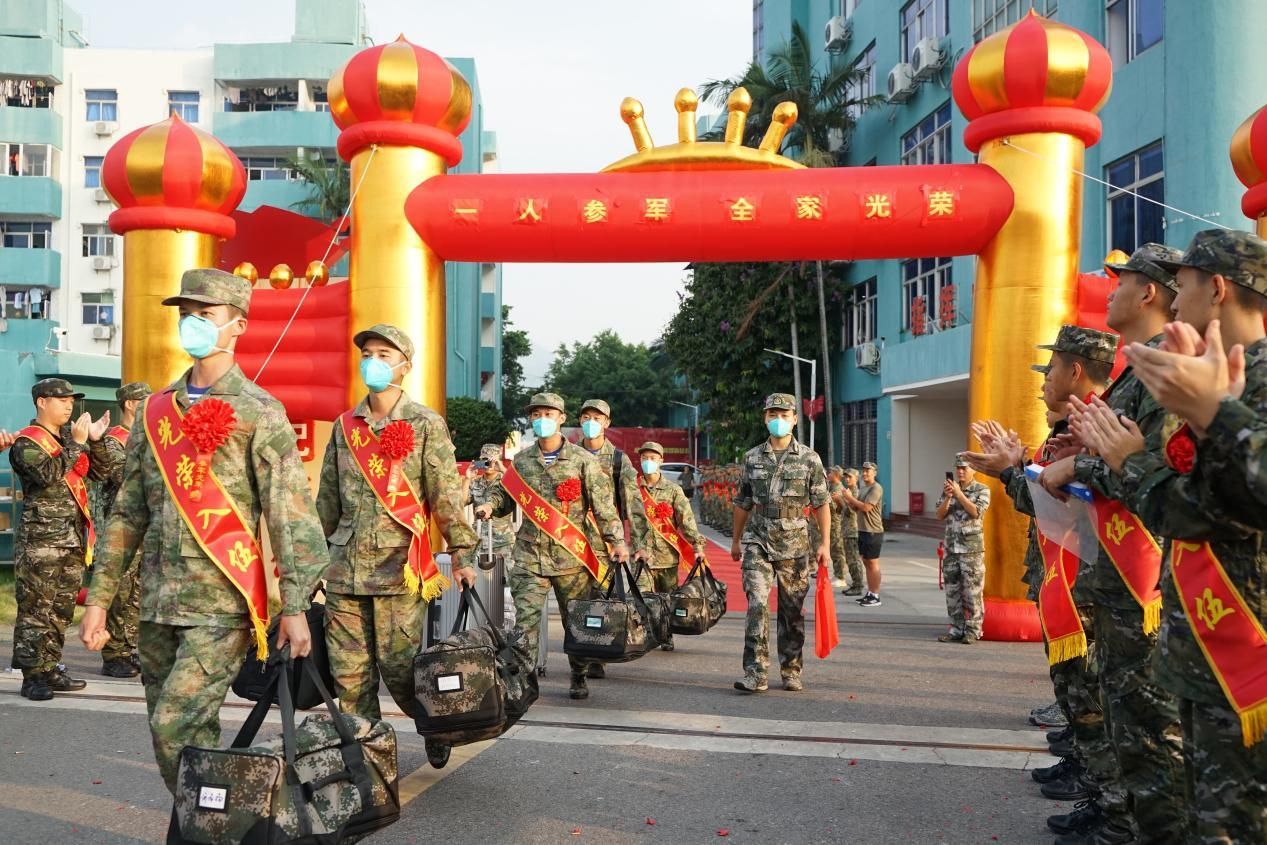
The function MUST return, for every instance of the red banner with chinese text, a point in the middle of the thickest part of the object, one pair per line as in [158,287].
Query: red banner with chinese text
[667,531]
[553,523]
[1062,626]
[1134,553]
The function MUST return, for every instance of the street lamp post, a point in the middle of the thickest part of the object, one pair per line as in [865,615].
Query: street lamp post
[694,429]
[813,385]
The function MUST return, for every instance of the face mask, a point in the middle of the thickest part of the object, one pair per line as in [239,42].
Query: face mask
[544,427]
[198,335]
[377,374]
[591,429]
[779,427]
[650,467]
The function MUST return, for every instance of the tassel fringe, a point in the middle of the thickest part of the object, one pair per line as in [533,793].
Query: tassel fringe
[1067,648]
[1152,616]
[261,636]
[1254,724]
[428,588]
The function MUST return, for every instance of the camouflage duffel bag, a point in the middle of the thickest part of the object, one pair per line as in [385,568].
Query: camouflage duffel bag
[659,607]
[614,627]
[697,604]
[330,780]
[475,684]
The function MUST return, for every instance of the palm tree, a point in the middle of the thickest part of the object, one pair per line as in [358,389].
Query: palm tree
[329,187]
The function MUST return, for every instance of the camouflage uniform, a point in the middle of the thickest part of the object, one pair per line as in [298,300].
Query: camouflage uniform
[662,559]
[374,623]
[1226,782]
[849,524]
[835,487]
[477,494]
[49,555]
[124,617]
[541,564]
[628,502]
[964,564]
[775,489]
[195,624]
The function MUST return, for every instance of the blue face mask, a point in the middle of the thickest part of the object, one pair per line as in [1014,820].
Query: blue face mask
[591,429]
[377,374]
[544,426]
[650,467]
[779,427]
[198,335]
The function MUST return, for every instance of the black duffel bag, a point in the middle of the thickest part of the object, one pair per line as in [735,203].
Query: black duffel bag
[615,627]
[256,676]
[331,780]
[659,606]
[700,600]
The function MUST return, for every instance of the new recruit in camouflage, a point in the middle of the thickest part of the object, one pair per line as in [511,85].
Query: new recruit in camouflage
[1239,257]
[480,487]
[963,568]
[1086,343]
[1152,260]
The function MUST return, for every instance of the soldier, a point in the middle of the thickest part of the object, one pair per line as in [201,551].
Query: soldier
[869,505]
[849,522]
[388,466]
[962,507]
[673,538]
[51,459]
[1218,555]
[204,596]
[118,656]
[779,478]
[556,482]
[478,482]
[836,488]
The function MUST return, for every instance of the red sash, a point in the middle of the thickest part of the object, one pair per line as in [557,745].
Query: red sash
[119,433]
[74,479]
[553,523]
[1056,609]
[1135,555]
[667,531]
[421,574]
[1230,636]
[214,519]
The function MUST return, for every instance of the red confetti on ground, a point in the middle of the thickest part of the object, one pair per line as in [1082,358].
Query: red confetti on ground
[651,822]
[853,762]
[576,831]
[853,698]
[835,780]
[96,783]
[723,832]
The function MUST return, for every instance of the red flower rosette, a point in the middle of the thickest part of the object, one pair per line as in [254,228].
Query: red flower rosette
[81,465]
[568,492]
[397,443]
[207,425]
[663,511]
[1181,450]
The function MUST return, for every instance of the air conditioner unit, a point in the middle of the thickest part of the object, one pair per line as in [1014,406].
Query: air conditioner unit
[866,356]
[927,58]
[901,83]
[105,127]
[837,34]
[104,262]
[102,332]
[100,195]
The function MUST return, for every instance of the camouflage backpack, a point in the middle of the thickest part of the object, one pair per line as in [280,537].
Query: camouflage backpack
[614,627]
[474,685]
[699,602]
[330,780]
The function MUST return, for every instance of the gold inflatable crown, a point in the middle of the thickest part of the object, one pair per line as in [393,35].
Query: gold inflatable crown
[690,154]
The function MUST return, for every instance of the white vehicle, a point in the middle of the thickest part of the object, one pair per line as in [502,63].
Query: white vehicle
[673,471]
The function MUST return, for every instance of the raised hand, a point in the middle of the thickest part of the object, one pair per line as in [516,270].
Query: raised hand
[80,428]
[1192,381]
[98,429]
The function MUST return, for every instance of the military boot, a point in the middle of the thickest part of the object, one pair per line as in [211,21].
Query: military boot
[596,671]
[1059,771]
[1071,788]
[1086,817]
[36,688]
[792,683]
[1059,735]
[59,681]
[751,683]
[119,669]
[1061,747]
[579,689]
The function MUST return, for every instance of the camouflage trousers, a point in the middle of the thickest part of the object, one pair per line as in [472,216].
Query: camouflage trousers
[1077,684]
[47,581]
[760,574]
[1226,782]
[530,592]
[124,618]
[1142,721]
[186,672]
[964,576]
[664,579]
[853,559]
[369,637]
[838,563]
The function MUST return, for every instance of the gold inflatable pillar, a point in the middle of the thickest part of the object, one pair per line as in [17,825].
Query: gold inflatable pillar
[1031,119]
[1249,160]
[175,187]
[400,109]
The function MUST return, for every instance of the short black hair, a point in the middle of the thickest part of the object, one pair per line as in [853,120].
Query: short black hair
[1098,371]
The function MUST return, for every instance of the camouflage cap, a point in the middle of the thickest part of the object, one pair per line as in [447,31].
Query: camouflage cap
[213,287]
[596,405]
[547,400]
[1151,260]
[850,471]
[132,390]
[491,452]
[869,465]
[54,388]
[651,446]
[961,461]
[389,334]
[1092,344]
[780,401]
[1239,257]
[836,469]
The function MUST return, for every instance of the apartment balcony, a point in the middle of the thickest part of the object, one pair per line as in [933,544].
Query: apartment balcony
[32,58]
[27,197]
[279,193]
[256,64]
[30,267]
[285,130]
[488,306]
[488,362]
[19,125]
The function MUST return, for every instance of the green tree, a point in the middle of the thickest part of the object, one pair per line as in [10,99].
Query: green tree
[329,188]
[472,423]
[515,347]
[626,375]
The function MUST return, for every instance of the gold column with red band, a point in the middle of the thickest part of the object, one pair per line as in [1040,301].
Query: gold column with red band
[74,479]
[553,523]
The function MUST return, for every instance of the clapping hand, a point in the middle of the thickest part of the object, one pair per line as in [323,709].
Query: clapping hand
[98,429]
[1113,437]
[79,428]
[6,439]
[1189,376]
[1000,448]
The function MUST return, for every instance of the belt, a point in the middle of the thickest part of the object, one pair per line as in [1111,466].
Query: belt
[782,511]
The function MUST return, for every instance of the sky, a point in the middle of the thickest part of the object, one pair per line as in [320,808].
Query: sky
[552,74]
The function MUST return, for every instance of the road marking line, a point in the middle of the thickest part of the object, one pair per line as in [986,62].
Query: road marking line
[425,777]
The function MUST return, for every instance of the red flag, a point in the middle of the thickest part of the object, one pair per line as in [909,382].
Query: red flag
[826,636]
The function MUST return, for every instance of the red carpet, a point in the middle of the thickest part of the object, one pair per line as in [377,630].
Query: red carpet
[727,570]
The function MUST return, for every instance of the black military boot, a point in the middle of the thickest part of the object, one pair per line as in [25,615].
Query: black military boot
[1071,788]
[579,690]
[1065,733]
[1113,833]
[1086,817]
[1061,748]
[119,669]
[437,753]
[59,681]
[36,688]
[1059,771]
[596,671]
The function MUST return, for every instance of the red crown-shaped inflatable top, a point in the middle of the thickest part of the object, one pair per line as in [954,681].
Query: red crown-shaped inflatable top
[1249,160]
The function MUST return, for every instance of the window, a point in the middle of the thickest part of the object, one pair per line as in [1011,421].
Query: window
[98,308]
[23,235]
[989,16]
[1133,220]
[98,240]
[858,432]
[27,159]
[266,169]
[17,303]
[320,98]
[922,283]
[269,98]
[26,93]
[929,141]
[864,87]
[922,19]
[860,307]
[92,171]
[183,104]
[1132,27]
[103,104]
[758,29]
